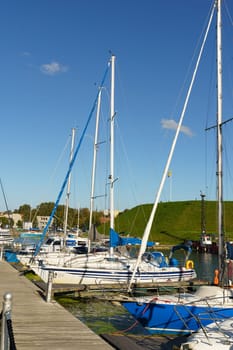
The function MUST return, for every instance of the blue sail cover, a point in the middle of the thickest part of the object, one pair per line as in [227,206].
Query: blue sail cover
[186,247]
[229,250]
[117,240]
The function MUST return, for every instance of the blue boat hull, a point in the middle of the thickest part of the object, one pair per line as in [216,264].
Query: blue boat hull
[10,257]
[176,319]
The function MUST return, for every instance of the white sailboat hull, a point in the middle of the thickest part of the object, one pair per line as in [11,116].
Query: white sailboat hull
[104,272]
[216,336]
[5,236]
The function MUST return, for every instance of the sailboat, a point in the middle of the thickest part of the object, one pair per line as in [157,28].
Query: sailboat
[114,267]
[186,313]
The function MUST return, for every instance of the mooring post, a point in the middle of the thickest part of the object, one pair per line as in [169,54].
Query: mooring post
[49,286]
[6,310]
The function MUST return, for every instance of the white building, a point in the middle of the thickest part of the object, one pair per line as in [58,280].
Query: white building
[14,216]
[27,225]
[42,222]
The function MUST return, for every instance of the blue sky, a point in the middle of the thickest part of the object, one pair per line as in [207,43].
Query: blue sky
[53,56]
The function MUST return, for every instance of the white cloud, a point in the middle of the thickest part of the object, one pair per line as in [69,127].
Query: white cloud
[53,68]
[172,124]
[25,53]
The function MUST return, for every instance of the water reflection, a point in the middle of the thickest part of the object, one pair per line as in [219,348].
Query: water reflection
[205,264]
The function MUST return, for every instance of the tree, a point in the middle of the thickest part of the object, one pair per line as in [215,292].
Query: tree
[75,217]
[84,215]
[97,215]
[45,209]
[19,224]
[6,222]
[25,211]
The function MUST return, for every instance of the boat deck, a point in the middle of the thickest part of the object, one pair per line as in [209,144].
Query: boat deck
[41,325]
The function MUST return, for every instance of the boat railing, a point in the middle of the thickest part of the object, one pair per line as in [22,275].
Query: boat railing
[224,336]
[192,315]
[200,317]
[81,258]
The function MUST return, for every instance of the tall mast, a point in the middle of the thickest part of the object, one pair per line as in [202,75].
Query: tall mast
[68,183]
[219,140]
[94,158]
[112,117]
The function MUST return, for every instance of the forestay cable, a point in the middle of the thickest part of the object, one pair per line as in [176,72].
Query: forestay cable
[151,218]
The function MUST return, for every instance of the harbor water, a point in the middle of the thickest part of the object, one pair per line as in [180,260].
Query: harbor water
[104,316]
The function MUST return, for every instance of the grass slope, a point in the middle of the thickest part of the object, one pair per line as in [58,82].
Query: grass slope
[174,221]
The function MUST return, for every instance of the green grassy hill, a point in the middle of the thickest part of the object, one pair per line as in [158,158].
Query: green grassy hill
[174,221]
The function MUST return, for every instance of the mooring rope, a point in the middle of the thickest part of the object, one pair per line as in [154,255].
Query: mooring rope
[10,333]
[136,322]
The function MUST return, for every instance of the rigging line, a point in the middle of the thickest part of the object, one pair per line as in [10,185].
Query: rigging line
[70,166]
[123,148]
[123,95]
[134,192]
[101,156]
[212,86]
[167,166]
[5,200]
[192,59]
[139,208]
[228,162]
[105,130]
[228,66]
[36,212]
[210,171]
[228,13]
[127,164]
[60,158]
[52,175]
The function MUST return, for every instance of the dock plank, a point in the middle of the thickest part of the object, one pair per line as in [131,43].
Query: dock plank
[150,342]
[41,325]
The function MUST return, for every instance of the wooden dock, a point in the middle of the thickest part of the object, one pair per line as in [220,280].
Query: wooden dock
[41,325]
[88,290]
[132,342]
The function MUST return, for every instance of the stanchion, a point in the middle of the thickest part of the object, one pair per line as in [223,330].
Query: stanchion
[6,309]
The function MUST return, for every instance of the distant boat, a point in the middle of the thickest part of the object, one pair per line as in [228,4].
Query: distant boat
[5,236]
[55,248]
[30,234]
[207,242]
[186,313]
